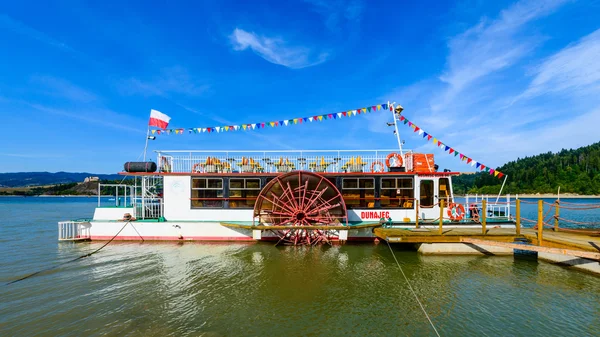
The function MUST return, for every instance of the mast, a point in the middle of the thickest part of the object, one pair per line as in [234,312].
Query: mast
[395,113]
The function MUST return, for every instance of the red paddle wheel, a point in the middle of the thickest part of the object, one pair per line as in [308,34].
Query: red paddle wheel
[301,199]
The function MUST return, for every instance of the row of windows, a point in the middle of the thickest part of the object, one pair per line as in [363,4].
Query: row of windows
[357,192]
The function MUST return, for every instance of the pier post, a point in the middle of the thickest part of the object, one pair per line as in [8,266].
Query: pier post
[556,215]
[483,215]
[518,224]
[540,221]
[417,213]
[441,216]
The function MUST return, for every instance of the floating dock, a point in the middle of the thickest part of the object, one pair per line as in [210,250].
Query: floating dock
[580,250]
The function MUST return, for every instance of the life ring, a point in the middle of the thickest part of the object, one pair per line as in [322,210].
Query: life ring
[198,168]
[456,212]
[393,154]
[377,163]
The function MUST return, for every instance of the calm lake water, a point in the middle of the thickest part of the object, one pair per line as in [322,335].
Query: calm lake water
[195,289]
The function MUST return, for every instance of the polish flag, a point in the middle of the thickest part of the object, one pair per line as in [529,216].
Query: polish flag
[158,119]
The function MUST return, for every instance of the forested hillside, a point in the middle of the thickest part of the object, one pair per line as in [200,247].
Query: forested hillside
[575,171]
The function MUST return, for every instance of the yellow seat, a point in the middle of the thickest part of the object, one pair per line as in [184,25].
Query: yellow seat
[371,205]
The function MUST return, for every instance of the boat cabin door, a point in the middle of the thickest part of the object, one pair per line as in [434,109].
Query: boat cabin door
[430,191]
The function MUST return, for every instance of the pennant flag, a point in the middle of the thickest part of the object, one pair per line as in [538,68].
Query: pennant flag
[384,106]
[244,126]
[434,141]
[456,153]
[425,134]
[344,113]
[358,111]
[305,119]
[405,121]
[285,122]
[446,148]
[339,114]
[469,160]
[451,150]
[428,137]
[421,131]
[492,171]
[310,119]
[477,166]
[154,131]
[500,174]
[402,118]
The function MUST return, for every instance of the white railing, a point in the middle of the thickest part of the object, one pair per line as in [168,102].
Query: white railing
[148,208]
[73,230]
[495,208]
[277,161]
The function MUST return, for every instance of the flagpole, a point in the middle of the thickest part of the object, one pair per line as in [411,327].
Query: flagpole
[501,188]
[146,146]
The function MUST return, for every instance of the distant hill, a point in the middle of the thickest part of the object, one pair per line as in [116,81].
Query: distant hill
[574,170]
[23,179]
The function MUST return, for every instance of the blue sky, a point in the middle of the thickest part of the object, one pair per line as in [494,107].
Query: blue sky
[496,80]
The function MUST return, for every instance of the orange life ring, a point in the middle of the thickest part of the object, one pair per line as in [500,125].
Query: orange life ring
[456,212]
[375,163]
[198,168]
[393,154]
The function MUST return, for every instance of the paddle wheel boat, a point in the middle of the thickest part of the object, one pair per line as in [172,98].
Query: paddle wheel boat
[290,197]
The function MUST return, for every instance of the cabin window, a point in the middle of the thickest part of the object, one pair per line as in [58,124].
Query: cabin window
[445,190]
[243,192]
[359,192]
[426,193]
[397,192]
[207,192]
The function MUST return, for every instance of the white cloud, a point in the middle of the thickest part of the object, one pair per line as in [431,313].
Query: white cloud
[336,12]
[491,46]
[276,50]
[59,87]
[173,80]
[22,29]
[98,117]
[575,69]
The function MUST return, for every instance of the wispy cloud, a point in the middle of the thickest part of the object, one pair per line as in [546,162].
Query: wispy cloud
[573,70]
[58,87]
[35,155]
[491,46]
[336,12]
[172,80]
[276,50]
[24,30]
[89,115]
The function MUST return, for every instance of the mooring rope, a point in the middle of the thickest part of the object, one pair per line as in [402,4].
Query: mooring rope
[75,259]
[411,289]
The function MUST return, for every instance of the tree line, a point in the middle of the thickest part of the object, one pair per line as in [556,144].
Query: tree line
[574,170]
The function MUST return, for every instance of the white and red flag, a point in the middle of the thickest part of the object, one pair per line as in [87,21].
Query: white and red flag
[158,119]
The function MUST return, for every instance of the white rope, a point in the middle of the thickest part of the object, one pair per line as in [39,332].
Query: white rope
[411,289]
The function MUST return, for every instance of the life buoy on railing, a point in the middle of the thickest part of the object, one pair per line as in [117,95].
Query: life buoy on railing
[390,156]
[198,168]
[377,163]
[456,212]
[474,212]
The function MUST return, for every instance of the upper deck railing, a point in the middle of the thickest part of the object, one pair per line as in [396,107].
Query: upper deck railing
[181,161]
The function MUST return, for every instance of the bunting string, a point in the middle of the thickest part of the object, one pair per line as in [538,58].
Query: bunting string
[450,150]
[274,124]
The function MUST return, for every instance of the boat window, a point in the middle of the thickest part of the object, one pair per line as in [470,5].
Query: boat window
[445,190]
[207,192]
[397,192]
[359,192]
[426,193]
[243,192]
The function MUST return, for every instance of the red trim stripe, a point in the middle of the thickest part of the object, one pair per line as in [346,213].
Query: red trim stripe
[202,238]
